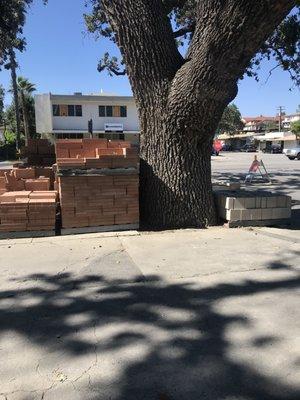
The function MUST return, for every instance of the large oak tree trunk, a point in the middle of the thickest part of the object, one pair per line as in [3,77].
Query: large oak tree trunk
[175,175]
[181,100]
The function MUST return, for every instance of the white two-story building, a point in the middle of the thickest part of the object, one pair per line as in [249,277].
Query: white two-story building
[68,116]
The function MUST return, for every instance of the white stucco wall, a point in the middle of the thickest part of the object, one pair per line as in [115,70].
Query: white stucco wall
[43,113]
[46,122]
[91,111]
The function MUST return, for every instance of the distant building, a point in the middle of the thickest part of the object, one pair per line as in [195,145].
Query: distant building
[68,116]
[260,123]
[288,119]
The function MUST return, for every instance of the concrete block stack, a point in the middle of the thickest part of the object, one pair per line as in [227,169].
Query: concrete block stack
[39,152]
[98,183]
[246,208]
[22,211]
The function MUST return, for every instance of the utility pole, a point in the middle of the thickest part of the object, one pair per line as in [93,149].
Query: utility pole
[280,114]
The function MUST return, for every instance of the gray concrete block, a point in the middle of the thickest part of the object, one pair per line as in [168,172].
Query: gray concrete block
[281,213]
[263,203]
[281,201]
[233,215]
[256,214]
[239,203]
[271,201]
[250,202]
[229,203]
[266,213]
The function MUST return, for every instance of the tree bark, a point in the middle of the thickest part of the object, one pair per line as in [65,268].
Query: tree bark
[180,101]
[25,117]
[13,66]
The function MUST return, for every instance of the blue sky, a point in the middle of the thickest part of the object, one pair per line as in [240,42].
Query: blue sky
[62,58]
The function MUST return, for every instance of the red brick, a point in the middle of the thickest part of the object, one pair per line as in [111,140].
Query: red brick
[69,144]
[89,153]
[132,152]
[43,195]
[24,173]
[109,152]
[8,197]
[76,153]
[94,143]
[2,183]
[62,153]
[118,144]
[40,184]
[126,179]
[127,219]
[103,162]
[101,221]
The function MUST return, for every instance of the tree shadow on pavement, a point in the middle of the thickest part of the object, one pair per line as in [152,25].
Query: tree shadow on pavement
[178,327]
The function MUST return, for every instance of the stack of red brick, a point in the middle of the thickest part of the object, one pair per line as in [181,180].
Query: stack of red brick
[109,196]
[95,153]
[17,179]
[39,152]
[27,211]
[89,201]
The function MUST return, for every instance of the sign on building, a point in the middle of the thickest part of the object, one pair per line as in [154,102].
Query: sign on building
[110,127]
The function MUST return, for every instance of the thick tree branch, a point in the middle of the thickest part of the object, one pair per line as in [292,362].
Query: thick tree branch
[183,31]
[145,38]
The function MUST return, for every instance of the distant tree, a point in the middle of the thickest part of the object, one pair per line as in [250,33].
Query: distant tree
[12,20]
[10,118]
[181,99]
[295,128]
[298,109]
[231,121]
[2,94]
[25,89]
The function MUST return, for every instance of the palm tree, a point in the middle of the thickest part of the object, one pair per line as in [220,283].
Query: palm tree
[13,66]
[25,89]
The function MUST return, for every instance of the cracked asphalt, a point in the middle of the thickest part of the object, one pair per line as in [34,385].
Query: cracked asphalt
[193,314]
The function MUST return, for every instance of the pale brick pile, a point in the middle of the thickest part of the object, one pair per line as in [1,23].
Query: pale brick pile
[248,206]
[28,211]
[107,191]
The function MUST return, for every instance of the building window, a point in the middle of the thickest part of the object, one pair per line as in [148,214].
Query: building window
[109,111]
[66,110]
[78,111]
[55,109]
[71,111]
[123,111]
[101,111]
[113,111]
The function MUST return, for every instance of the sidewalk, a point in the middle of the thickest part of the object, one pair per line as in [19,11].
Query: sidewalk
[190,315]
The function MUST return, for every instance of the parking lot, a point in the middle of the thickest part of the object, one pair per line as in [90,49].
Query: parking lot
[284,173]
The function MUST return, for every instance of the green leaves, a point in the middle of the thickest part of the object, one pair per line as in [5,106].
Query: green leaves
[12,19]
[231,121]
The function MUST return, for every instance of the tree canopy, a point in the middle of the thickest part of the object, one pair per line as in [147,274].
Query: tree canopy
[12,19]
[231,121]
[2,94]
[295,128]
[283,45]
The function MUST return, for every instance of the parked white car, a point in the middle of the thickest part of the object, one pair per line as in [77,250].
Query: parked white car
[293,153]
